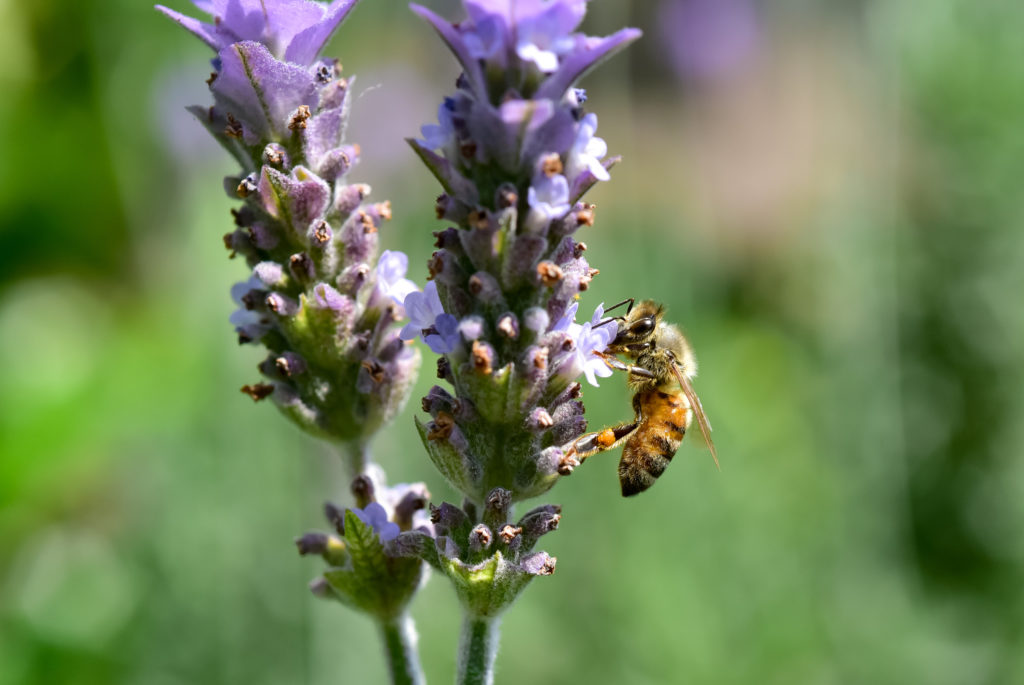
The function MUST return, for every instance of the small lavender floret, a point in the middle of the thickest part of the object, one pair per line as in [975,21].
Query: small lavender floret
[374,567]
[375,516]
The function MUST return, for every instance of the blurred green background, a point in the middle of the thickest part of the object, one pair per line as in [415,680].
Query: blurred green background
[827,195]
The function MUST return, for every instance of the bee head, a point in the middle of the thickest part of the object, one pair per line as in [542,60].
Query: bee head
[638,327]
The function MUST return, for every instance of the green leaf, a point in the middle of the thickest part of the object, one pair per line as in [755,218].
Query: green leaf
[373,582]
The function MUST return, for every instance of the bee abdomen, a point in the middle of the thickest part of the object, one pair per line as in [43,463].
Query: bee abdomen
[647,454]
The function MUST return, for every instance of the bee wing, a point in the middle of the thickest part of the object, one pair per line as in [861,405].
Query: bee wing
[698,412]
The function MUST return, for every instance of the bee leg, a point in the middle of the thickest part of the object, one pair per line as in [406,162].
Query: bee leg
[591,443]
[634,370]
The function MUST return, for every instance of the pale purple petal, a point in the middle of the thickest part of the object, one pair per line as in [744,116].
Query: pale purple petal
[586,152]
[391,280]
[433,300]
[327,297]
[568,318]
[205,32]
[376,517]
[260,90]
[447,337]
[582,59]
[298,199]
[308,42]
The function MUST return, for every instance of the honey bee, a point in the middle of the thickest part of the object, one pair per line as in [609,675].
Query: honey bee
[664,402]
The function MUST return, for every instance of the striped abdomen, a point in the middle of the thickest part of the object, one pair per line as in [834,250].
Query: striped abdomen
[663,419]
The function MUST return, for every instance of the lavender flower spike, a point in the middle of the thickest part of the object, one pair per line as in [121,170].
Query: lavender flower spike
[514,152]
[515,159]
[319,300]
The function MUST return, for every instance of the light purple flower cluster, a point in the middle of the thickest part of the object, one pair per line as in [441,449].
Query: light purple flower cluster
[318,298]
[363,570]
[514,152]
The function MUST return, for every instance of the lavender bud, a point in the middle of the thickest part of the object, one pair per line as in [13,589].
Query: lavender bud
[363,491]
[472,327]
[538,522]
[336,517]
[321,588]
[485,288]
[480,538]
[482,357]
[301,267]
[409,505]
[275,155]
[438,400]
[497,507]
[448,519]
[508,325]
[536,320]
[348,198]
[290,364]
[539,564]
[540,420]
[312,543]
[271,274]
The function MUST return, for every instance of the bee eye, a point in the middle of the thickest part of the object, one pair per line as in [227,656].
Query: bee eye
[642,327]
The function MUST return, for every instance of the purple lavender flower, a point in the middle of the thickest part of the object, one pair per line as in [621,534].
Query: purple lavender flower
[369,566]
[587,152]
[376,517]
[514,152]
[589,338]
[250,321]
[391,280]
[548,197]
[293,30]
[440,135]
[568,318]
[319,300]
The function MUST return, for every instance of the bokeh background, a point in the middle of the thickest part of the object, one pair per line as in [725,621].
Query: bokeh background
[827,195]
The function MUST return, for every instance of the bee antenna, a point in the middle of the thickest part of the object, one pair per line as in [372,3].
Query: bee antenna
[606,321]
[628,301]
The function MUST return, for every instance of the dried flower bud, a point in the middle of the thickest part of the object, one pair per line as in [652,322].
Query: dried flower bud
[297,120]
[480,538]
[258,391]
[497,507]
[550,274]
[363,491]
[441,427]
[336,517]
[483,358]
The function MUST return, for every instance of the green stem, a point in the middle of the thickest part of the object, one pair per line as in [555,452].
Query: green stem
[478,648]
[399,636]
[357,457]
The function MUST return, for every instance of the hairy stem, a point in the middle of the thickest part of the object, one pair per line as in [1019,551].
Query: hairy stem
[478,648]
[399,636]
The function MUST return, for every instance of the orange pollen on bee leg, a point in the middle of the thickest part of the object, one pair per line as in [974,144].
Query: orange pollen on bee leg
[606,438]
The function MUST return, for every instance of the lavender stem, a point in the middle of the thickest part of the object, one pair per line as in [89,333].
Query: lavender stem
[478,648]
[356,456]
[399,636]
